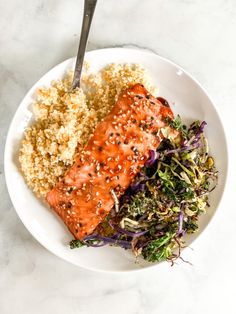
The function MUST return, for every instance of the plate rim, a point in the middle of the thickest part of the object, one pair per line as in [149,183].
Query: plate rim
[8,142]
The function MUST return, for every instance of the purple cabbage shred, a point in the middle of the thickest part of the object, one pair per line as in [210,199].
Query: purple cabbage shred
[153,156]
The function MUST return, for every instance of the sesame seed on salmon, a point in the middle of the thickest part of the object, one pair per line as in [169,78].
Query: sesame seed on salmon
[115,153]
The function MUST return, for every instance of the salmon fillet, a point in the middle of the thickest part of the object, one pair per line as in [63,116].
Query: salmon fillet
[115,153]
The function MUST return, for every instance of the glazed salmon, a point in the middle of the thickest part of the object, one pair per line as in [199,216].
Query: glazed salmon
[113,156]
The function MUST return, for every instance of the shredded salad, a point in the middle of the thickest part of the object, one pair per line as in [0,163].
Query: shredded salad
[165,200]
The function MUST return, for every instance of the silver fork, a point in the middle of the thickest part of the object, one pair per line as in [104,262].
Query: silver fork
[89,7]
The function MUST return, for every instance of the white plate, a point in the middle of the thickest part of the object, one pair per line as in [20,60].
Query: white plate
[186,97]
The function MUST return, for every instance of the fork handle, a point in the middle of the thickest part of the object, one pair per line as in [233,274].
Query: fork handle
[89,7]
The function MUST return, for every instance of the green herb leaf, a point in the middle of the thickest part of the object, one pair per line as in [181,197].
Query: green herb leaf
[159,249]
[179,126]
[76,244]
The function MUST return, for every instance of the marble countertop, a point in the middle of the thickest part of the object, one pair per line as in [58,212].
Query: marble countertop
[198,35]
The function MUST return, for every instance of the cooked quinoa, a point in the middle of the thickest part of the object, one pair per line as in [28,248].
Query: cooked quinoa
[65,119]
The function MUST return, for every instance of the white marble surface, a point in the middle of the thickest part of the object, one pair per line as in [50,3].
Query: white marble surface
[198,35]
